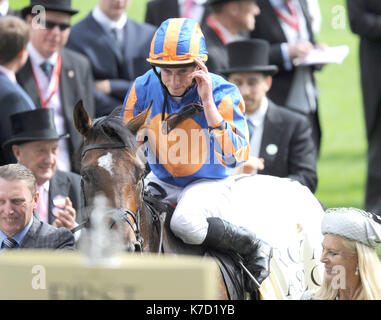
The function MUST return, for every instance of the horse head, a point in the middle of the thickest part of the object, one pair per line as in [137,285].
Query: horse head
[112,165]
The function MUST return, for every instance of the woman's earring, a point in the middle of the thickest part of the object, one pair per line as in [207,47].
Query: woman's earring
[357,271]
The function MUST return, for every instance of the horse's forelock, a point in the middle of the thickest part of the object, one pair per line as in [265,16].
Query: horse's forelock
[112,128]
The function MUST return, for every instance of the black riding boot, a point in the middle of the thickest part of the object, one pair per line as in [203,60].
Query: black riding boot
[225,236]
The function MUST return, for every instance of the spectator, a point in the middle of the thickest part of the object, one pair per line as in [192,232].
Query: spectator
[19,226]
[364,18]
[116,47]
[34,142]
[160,10]
[286,25]
[280,140]
[228,20]
[352,267]
[56,77]
[4,8]
[14,35]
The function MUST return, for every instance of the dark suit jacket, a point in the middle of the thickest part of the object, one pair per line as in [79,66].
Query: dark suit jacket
[67,184]
[13,99]
[44,236]
[292,134]
[365,20]
[267,27]
[76,83]
[158,11]
[107,62]
[218,58]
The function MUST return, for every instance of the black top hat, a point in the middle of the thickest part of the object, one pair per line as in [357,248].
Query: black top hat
[249,56]
[34,125]
[50,5]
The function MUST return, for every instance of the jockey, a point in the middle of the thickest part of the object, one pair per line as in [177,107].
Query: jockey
[201,149]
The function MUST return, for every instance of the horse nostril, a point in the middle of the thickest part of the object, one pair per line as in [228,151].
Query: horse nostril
[138,246]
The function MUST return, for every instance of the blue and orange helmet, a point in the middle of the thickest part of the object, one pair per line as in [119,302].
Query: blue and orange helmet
[177,42]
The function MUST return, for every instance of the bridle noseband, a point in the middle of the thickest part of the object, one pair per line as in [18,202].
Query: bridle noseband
[117,214]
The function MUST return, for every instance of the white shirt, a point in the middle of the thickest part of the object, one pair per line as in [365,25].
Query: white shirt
[46,86]
[258,118]
[4,7]
[8,73]
[106,22]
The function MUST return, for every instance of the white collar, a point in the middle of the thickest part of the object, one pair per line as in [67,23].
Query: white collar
[106,22]
[8,73]
[4,7]
[258,116]
[37,58]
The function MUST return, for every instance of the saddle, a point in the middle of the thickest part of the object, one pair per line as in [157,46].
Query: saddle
[168,243]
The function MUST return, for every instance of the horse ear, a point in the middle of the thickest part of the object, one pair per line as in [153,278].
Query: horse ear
[140,121]
[82,119]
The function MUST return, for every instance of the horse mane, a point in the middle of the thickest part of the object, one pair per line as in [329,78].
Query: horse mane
[111,128]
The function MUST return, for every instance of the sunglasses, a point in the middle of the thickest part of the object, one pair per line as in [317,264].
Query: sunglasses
[52,24]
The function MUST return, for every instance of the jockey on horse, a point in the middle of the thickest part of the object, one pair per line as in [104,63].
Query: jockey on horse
[178,79]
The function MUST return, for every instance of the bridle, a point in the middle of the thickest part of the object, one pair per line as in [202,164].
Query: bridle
[116,214]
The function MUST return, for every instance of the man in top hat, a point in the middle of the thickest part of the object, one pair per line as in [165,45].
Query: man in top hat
[14,35]
[116,47]
[280,140]
[286,25]
[56,77]
[34,142]
[228,21]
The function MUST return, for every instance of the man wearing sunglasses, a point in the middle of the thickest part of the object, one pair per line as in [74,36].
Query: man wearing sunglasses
[56,77]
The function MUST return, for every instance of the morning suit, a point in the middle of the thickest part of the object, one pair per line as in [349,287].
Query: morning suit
[120,66]
[44,236]
[364,18]
[13,99]
[66,184]
[76,84]
[294,158]
[160,10]
[268,27]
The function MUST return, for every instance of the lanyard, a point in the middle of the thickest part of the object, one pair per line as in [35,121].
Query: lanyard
[211,23]
[291,20]
[56,78]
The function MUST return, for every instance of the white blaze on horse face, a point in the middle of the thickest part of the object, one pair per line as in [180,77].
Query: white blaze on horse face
[106,162]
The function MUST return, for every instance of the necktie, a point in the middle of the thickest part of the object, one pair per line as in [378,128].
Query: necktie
[251,129]
[188,4]
[47,67]
[118,35]
[9,243]
[42,207]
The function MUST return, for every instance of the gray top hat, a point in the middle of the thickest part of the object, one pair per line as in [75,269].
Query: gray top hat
[50,5]
[34,125]
[353,224]
[250,55]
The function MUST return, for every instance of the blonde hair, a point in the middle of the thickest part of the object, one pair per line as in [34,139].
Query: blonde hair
[369,271]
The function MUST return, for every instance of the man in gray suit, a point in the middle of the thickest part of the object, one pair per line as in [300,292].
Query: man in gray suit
[19,226]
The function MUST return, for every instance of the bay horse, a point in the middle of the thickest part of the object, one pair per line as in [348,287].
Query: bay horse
[112,164]
[283,212]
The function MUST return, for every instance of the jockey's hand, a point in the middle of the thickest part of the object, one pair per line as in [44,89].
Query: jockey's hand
[250,165]
[65,217]
[205,91]
[260,263]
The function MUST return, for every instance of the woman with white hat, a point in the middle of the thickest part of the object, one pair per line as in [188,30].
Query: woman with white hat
[352,267]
